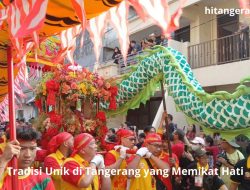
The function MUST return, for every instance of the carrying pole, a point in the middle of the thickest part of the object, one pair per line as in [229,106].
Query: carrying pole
[12,120]
[166,119]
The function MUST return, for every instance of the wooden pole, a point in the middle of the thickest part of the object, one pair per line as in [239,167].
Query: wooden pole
[12,117]
[97,105]
[166,119]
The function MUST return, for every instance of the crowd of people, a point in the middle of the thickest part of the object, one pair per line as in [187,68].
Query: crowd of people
[153,160]
[136,48]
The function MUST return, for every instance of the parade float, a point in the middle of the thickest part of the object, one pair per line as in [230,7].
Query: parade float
[69,98]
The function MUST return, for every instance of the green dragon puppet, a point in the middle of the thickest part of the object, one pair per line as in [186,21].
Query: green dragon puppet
[221,111]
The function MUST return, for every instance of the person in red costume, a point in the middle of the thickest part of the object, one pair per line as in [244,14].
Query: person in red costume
[82,166]
[149,157]
[116,159]
[60,147]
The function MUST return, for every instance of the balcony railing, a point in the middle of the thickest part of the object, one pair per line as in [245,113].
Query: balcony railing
[132,59]
[220,51]
[215,52]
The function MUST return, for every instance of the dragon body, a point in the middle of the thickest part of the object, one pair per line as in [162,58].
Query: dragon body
[221,111]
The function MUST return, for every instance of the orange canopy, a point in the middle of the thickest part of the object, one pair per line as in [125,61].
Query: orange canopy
[60,15]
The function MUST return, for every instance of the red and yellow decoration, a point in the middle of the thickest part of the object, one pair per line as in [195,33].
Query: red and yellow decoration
[68,99]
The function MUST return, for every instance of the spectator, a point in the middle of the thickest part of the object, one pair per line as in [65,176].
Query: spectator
[110,140]
[116,55]
[129,126]
[197,143]
[22,122]
[203,182]
[228,158]
[134,48]
[163,40]
[191,132]
[111,136]
[202,134]
[141,139]
[152,40]
[216,137]
[188,156]
[186,159]
[150,43]
[144,44]
[131,50]
[149,129]
[238,180]
[172,126]
[213,150]
[178,145]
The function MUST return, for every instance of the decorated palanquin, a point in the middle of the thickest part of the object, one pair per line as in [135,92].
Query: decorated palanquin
[68,99]
[47,52]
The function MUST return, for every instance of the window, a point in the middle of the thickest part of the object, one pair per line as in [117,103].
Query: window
[227,25]
[182,34]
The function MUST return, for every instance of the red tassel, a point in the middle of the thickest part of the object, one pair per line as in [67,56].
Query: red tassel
[38,104]
[114,91]
[52,88]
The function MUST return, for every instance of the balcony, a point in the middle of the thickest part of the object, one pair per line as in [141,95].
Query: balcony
[110,69]
[228,49]
[205,58]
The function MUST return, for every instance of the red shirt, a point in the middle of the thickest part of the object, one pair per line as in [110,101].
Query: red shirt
[76,170]
[177,163]
[214,150]
[107,146]
[109,159]
[54,162]
[41,182]
[178,149]
[119,181]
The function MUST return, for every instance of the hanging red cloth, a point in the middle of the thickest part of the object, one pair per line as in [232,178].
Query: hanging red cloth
[55,118]
[38,104]
[114,91]
[52,88]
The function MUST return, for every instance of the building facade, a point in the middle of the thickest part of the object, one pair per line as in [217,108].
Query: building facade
[216,46]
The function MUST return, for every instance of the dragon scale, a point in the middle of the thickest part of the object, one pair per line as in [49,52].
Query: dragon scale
[217,112]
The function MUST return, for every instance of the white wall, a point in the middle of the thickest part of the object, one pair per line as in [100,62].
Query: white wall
[28,112]
[230,73]
[178,117]
[115,122]
[180,46]
[108,70]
